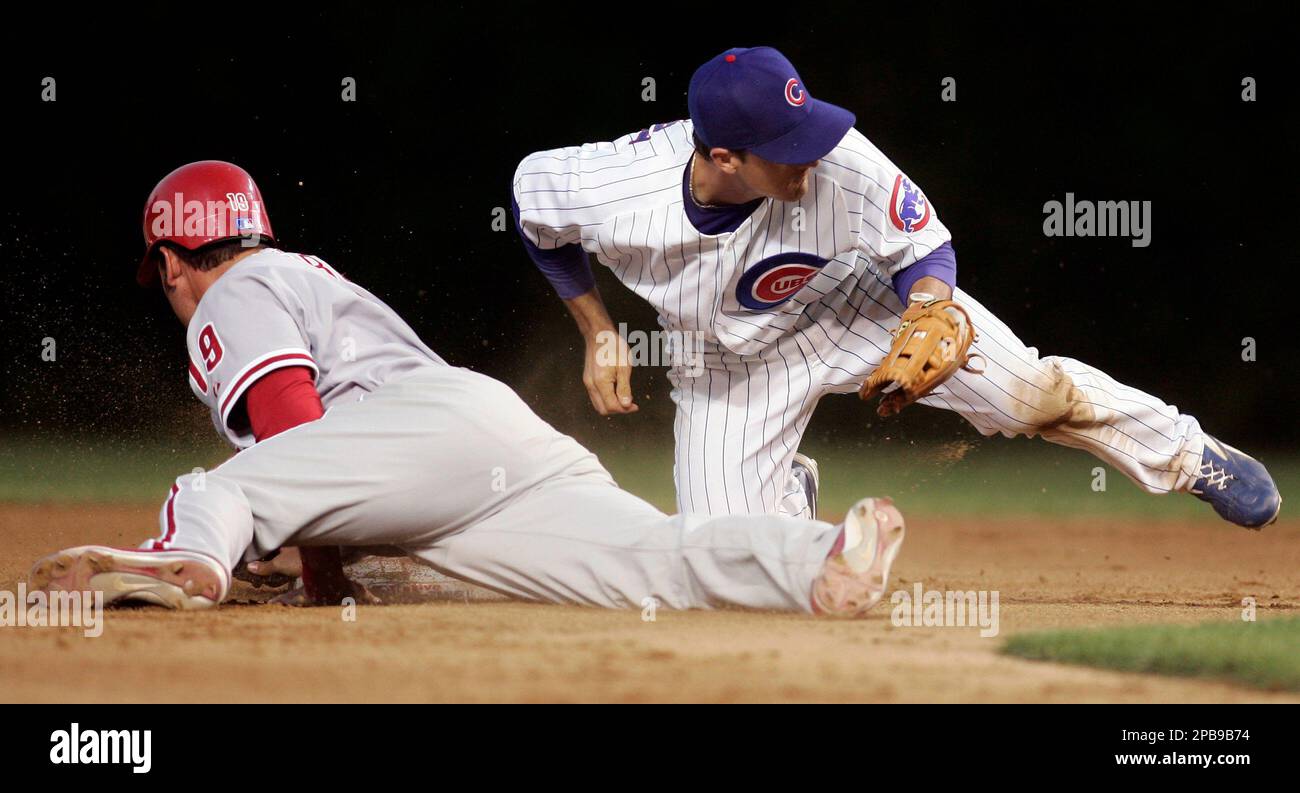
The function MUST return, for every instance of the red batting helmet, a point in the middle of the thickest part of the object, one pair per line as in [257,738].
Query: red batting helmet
[200,203]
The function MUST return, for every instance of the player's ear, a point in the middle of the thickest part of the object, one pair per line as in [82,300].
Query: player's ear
[169,267]
[725,159]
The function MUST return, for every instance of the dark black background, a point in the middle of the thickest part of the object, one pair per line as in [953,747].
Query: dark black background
[1083,741]
[397,190]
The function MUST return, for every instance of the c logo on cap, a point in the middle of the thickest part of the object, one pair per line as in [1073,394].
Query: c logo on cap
[794,93]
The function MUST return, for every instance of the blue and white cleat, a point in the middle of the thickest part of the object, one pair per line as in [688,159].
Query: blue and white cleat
[804,469]
[1236,485]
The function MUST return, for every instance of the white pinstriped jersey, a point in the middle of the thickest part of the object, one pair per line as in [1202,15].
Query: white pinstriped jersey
[623,203]
[796,303]
[275,309]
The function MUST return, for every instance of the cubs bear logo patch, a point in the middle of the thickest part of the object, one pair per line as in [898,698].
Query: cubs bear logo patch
[908,209]
[776,279]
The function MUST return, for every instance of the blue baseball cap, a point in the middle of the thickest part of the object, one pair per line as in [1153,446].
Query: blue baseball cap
[752,98]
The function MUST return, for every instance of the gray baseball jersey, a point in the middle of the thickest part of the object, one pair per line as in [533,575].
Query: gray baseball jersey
[275,309]
[446,463]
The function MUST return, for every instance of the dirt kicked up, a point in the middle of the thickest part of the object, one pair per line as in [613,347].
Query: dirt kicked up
[1047,575]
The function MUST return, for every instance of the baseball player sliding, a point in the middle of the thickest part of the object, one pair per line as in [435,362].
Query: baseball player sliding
[806,263]
[353,433]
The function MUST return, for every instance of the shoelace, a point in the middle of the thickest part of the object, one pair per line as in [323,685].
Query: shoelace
[1217,477]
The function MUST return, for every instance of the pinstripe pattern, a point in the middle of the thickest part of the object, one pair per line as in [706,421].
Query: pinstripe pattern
[740,420]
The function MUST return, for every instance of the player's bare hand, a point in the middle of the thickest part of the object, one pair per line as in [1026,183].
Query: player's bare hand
[288,562]
[277,570]
[607,374]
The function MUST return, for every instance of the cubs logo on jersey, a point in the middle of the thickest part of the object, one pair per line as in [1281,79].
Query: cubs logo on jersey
[774,280]
[908,209]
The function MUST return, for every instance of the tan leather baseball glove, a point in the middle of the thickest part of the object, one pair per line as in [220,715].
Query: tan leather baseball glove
[930,344]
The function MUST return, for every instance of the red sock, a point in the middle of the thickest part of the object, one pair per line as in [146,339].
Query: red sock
[322,575]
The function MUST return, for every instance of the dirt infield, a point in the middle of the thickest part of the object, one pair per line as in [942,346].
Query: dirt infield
[1076,573]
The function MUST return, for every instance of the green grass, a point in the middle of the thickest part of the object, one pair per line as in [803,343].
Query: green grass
[1260,654]
[996,477]
[65,470]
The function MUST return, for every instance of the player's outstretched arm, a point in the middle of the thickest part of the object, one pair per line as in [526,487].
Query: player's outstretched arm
[607,369]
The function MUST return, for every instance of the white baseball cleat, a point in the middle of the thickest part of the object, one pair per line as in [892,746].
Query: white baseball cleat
[175,579]
[853,579]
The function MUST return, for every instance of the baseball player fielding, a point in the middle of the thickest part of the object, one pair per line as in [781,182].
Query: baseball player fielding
[804,261]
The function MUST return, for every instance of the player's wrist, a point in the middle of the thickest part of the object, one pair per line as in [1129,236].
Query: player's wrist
[589,313]
[934,287]
[601,334]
